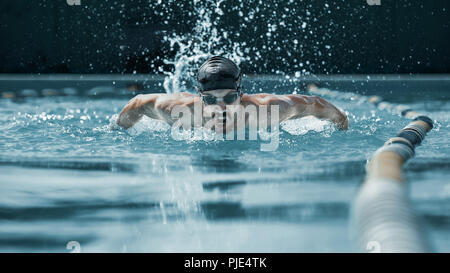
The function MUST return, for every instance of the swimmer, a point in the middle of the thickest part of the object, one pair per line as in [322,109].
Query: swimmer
[218,91]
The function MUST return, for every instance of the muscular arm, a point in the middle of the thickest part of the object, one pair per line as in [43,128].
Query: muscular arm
[319,108]
[157,106]
[297,106]
[131,113]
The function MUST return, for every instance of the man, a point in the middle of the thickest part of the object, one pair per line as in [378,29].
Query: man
[220,98]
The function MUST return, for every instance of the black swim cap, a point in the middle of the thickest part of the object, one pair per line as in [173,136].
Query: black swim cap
[218,73]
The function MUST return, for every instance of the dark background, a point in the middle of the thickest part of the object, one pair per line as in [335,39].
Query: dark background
[398,36]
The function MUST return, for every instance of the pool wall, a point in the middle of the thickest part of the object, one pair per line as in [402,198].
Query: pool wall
[391,87]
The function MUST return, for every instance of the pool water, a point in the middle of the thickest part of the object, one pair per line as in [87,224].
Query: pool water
[66,176]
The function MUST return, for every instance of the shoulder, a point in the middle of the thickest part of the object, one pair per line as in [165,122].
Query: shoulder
[267,99]
[182,96]
[171,100]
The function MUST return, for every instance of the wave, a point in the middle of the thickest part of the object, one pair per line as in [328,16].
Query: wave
[71,165]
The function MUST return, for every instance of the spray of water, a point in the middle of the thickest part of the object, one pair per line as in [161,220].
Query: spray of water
[193,48]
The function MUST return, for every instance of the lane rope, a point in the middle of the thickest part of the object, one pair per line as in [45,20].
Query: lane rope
[382,214]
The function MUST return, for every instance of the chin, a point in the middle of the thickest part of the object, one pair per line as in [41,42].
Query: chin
[225,128]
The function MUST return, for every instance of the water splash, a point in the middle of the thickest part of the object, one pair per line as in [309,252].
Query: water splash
[193,48]
[252,33]
[304,125]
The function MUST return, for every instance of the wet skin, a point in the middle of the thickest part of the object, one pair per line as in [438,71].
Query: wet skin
[291,106]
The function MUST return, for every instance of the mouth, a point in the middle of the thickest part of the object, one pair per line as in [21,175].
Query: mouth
[221,120]
[221,124]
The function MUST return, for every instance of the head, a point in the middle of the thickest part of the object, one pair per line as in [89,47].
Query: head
[219,86]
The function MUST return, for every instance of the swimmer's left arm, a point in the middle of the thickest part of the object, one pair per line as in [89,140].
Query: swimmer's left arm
[297,106]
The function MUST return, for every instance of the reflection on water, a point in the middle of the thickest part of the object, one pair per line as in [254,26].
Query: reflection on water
[223,186]
[286,213]
[219,165]
[65,176]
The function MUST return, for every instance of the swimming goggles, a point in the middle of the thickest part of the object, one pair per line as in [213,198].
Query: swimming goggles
[228,99]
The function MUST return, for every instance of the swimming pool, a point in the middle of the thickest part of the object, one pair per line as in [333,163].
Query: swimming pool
[65,176]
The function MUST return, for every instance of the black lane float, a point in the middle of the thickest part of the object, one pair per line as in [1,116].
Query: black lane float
[383,219]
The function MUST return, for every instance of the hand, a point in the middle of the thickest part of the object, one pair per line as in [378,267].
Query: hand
[342,122]
[113,123]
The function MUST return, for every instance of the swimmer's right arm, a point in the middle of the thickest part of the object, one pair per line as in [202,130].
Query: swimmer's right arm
[136,108]
[156,106]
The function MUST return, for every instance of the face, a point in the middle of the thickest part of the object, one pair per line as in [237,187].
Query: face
[220,105]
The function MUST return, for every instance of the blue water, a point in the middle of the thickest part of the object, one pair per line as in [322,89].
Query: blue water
[66,176]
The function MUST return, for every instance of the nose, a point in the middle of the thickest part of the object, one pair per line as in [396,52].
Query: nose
[222,105]
[219,110]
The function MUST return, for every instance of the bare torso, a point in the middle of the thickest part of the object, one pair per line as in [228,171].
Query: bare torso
[163,106]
